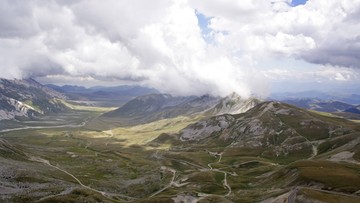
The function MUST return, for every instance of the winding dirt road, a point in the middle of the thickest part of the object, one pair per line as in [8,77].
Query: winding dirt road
[225,183]
[105,194]
[173,171]
[44,127]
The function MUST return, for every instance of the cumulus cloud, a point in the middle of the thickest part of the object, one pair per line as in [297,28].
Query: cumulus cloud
[159,43]
[319,32]
[318,74]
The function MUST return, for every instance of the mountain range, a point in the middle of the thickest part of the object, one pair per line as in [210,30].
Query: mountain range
[163,148]
[102,96]
[345,96]
[149,108]
[321,105]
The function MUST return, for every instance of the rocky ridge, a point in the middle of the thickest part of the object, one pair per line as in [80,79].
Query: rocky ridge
[27,99]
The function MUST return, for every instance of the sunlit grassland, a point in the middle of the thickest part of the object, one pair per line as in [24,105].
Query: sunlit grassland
[112,167]
[87,108]
[324,196]
[143,134]
[336,119]
[324,113]
[125,161]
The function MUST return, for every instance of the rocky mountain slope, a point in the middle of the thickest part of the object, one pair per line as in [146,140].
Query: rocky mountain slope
[275,152]
[144,109]
[148,108]
[27,98]
[274,128]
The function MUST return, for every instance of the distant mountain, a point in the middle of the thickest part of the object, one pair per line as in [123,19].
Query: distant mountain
[67,88]
[354,109]
[345,97]
[148,108]
[125,90]
[103,96]
[144,109]
[27,98]
[319,105]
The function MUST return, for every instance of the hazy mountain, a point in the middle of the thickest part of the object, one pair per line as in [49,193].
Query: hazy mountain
[354,109]
[346,97]
[27,98]
[144,109]
[67,88]
[153,107]
[103,96]
[320,105]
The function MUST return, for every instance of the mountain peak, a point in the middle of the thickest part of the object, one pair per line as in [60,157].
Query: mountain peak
[233,104]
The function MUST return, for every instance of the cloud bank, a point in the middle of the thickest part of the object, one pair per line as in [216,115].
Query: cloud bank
[161,44]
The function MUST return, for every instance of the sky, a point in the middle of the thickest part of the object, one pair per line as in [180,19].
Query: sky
[184,47]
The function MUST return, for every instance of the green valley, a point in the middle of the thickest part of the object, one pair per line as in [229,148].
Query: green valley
[272,153]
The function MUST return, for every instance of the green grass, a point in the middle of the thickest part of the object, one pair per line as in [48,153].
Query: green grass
[341,177]
[325,196]
[122,161]
[326,114]
[143,134]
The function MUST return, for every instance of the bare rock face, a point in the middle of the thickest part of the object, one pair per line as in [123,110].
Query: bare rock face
[204,129]
[15,108]
[233,104]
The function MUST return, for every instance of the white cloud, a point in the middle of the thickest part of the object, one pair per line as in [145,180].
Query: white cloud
[318,74]
[159,43]
[320,31]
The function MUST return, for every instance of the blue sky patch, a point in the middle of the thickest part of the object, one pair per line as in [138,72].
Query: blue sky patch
[298,2]
[204,25]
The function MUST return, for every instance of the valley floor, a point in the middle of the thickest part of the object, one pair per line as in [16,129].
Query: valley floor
[63,161]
